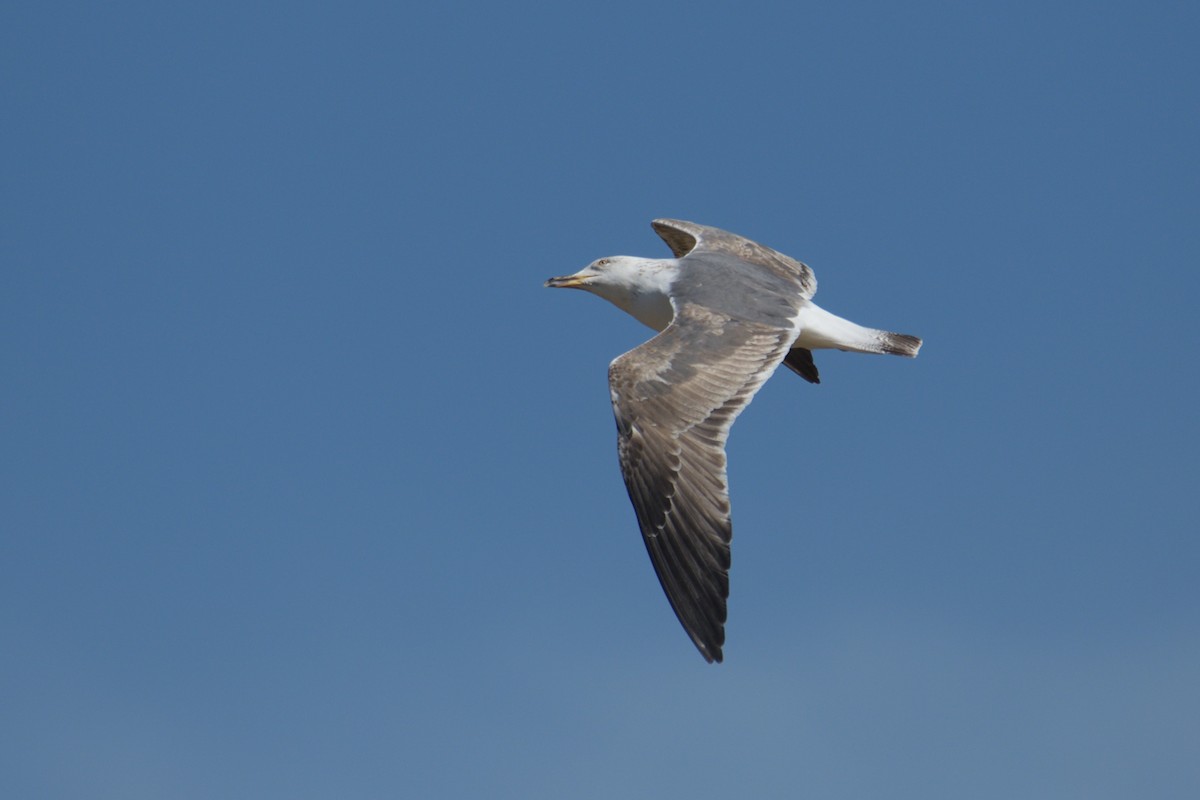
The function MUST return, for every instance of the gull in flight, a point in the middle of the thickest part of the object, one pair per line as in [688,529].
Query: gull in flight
[729,311]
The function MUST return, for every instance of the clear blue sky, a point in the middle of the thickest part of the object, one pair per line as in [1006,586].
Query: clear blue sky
[309,489]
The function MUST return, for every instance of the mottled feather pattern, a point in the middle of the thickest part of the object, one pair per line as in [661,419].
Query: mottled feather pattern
[675,472]
[729,312]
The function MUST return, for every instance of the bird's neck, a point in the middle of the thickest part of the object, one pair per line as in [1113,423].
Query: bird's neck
[645,293]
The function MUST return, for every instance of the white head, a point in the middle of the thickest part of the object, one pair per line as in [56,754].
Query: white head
[638,286]
[618,277]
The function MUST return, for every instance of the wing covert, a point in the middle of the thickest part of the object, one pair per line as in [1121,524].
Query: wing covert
[685,238]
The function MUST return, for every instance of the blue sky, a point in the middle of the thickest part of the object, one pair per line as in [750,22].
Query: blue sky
[309,488]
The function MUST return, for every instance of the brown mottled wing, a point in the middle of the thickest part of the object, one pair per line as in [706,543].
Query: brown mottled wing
[685,238]
[675,398]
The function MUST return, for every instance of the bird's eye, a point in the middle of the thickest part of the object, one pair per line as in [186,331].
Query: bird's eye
[602,262]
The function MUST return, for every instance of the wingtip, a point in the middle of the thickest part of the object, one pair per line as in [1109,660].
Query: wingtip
[711,653]
[680,235]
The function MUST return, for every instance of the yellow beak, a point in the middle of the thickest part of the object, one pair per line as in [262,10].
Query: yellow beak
[568,281]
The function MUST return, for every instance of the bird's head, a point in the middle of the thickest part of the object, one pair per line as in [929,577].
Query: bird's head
[637,286]
[601,274]
[619,279]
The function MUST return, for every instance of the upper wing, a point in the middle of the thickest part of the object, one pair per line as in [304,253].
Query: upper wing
[675,398]
[687,237]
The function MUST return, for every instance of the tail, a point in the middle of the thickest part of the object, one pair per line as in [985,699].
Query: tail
[897,344]
[820,329]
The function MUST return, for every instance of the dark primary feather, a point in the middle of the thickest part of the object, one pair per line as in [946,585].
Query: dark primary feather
[800,361]
[675,398]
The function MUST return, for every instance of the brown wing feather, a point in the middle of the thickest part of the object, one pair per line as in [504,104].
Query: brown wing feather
[675,398]
[683,237]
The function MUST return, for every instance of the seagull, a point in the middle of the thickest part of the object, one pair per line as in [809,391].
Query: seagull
[729,311]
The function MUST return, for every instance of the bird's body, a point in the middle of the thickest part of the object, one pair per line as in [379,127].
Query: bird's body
[641,287]
[729,312]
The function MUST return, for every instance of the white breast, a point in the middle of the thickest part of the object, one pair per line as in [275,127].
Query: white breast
[652,309]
